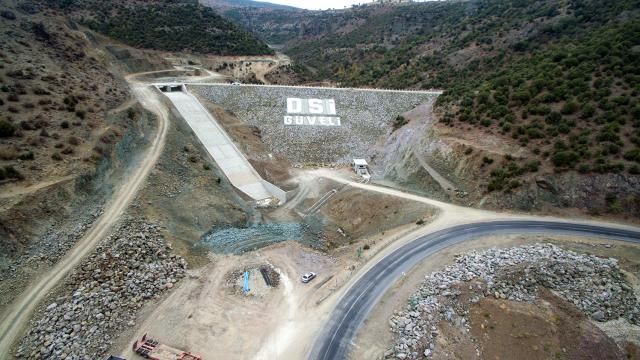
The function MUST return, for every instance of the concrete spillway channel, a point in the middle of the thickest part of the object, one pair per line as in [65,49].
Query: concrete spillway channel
[219,145]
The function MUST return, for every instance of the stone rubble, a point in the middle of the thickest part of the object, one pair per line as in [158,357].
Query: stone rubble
[102,296]
[366,117]
[594,285]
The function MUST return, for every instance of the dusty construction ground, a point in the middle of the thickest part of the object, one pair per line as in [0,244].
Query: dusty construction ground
[238,323]
[205,316]
[548,328]
[206,306]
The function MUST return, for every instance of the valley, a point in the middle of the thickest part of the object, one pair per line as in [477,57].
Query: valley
[453,179]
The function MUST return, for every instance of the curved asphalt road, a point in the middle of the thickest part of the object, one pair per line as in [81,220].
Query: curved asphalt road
[337,336]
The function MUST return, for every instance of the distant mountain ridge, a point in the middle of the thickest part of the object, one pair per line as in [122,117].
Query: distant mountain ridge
[226,4]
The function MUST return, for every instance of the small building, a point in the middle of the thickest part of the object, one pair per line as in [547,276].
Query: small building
[361,168]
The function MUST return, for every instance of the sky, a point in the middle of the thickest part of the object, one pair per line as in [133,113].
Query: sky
[319,4]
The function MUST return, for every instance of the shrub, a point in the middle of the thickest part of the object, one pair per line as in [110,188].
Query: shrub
[27,156]
[11,173]
[81,114]
[634,170]
[468,150]
[534,133]
[588,111]
[487,160]
[399,122]
[569,108]
[532,165]
[565,159]
[40,91]
[632,155]
[495,184]
[514,184]
[73,140]
[584,168]
[8,15]
[64,124]
[553,118]
[6,129]
[56,156]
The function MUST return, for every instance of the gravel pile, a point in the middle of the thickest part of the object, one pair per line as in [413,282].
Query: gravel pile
[103,294]
[594,285]
[366,116]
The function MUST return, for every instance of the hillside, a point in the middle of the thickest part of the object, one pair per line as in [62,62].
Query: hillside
[558,79]
[164,25]
[67,134]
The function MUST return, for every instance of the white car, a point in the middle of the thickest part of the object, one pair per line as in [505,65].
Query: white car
[308,277]
[236,83]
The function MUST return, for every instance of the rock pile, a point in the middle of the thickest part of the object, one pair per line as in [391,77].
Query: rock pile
[102,295]
[366,116]
[594,285]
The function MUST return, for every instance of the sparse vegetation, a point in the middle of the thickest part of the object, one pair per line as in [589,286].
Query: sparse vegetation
[165,25]
[6,129]
[573,77]
[399,122]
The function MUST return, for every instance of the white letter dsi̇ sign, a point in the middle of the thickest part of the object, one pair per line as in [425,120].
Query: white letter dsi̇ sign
[311,112]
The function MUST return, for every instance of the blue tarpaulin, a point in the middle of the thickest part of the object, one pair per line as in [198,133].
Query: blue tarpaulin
[245,288]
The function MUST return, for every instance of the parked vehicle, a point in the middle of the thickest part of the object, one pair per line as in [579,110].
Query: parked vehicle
[308,277]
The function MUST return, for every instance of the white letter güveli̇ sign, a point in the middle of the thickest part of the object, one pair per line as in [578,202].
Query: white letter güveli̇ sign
[311,112]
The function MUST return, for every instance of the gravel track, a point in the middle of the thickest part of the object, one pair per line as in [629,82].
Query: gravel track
[17,315]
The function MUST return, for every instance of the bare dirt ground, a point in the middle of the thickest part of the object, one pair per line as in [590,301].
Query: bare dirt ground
[546,329]
[203,316]
[209,306]
[358,214]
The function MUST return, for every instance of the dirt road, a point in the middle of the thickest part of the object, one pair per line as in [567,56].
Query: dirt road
[16,316]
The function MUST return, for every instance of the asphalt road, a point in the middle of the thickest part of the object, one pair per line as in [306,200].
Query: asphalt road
[336,338]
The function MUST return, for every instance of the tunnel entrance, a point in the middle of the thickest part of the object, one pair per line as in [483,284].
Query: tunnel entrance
[171,88]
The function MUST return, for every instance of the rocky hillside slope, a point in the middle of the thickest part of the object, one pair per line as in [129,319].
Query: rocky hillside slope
[55,92]
[163,25]
[556,83]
